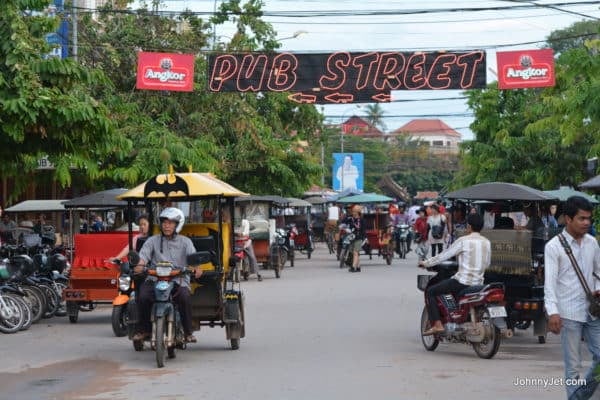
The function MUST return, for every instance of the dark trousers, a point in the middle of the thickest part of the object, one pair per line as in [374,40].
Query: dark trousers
[436,246]
[182,301]
[447,286]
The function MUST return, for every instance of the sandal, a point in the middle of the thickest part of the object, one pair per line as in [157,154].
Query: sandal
[140,336]
[191,339]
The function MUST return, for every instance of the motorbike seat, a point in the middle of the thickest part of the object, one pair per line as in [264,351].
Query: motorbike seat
[470,290]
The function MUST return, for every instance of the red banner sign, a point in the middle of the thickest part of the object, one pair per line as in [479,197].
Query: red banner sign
[344,77]
[525,68]
[165,71]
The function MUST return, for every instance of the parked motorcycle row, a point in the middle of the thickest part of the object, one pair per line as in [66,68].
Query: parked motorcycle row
[31,284]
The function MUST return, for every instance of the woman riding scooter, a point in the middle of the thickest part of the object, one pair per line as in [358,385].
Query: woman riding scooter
[167,246]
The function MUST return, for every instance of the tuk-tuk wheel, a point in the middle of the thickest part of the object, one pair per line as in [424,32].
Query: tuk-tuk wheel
[235,344]
[72,311]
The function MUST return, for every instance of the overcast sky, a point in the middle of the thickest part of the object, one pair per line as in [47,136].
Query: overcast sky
[376,25]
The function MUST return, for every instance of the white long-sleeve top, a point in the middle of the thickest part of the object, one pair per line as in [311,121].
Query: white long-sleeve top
[473,253]
[563,292]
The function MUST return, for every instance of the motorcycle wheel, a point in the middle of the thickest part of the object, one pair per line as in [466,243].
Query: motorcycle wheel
[36,301]
[291,256]
[52,300]
[13,322]
[161,325]
[430,342]
[171,352]
[402,248]
[27,313]
[330,243]
[388,257]
[119,320]
[489,347]
[343,256]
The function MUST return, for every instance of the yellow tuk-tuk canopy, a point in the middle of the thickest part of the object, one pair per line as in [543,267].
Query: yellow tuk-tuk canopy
[181,185]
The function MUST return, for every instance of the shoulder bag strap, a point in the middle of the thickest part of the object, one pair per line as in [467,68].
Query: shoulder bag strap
[569,252]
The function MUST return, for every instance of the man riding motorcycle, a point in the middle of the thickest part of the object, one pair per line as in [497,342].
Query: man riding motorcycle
[168,246]
[473,253]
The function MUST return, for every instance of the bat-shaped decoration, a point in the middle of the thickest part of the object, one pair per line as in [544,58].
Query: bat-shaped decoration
[168,184]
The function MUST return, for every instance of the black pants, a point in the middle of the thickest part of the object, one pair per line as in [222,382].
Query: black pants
[447,286]
[181,298]
[436,246]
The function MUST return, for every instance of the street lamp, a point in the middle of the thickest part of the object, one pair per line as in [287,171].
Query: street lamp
[294,35]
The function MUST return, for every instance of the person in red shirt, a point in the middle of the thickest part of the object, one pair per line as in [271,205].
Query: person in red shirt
[420,228]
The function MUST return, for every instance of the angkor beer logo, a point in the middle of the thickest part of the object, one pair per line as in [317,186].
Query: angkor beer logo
[527,70]
[166,72]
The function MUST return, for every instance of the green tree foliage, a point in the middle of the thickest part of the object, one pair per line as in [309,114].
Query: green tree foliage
[249,140]
[414,167]
[45,104]
[574,36]
[375,115]
[537,137]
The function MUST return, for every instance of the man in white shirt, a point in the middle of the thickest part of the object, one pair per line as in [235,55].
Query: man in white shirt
[473,254]
[565,299]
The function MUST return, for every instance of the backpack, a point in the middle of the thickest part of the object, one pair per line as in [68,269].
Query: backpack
[437,231]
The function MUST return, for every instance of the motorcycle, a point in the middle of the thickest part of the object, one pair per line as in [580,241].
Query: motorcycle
[475,316]
[346,255]
[241,258]
[167,328]
[291,234]
[127,282]
[401,236]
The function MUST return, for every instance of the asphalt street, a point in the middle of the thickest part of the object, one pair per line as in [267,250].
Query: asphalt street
[319,332]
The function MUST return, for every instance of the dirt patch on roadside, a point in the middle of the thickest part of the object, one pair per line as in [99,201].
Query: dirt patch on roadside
[71,380]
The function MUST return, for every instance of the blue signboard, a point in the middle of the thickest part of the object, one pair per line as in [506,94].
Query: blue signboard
[60,38]
[348,172]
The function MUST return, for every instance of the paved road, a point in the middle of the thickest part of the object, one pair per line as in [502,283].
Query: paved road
[317,333]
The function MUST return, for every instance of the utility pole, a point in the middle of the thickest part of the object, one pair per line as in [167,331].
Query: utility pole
[74,15]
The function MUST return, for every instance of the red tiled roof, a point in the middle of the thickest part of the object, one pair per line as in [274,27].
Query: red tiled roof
[418,127]
[357,126]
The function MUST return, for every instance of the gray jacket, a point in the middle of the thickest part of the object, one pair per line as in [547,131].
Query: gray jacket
[158,248]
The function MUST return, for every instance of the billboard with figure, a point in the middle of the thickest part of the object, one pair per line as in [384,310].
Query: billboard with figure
[348,172]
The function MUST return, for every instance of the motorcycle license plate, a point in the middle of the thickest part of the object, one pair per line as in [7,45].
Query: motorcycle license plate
[497,312]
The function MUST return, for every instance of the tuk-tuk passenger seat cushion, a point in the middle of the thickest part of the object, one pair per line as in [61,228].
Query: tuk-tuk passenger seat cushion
[93,250]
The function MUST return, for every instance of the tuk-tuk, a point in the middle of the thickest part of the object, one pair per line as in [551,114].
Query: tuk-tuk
[265,219]
[298,215]
[92,277]
[517,258]
[208,206]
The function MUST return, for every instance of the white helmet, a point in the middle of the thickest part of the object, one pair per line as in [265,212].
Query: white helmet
[173,214]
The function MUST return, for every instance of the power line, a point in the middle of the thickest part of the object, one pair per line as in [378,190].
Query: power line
[361,13]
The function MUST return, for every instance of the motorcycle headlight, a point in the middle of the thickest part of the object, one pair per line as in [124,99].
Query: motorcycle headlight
[124,283]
